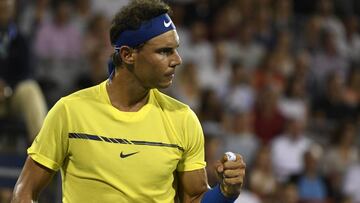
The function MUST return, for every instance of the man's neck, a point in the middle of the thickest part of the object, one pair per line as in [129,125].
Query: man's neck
[125,94]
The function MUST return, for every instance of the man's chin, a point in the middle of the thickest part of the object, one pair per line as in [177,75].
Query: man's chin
[164,85]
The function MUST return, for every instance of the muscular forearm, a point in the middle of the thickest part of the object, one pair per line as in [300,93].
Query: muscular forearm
[22,195]
[32,180]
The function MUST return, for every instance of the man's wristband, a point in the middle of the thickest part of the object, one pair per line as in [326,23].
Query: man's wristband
[215,195]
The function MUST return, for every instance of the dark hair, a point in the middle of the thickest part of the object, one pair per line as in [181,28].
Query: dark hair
[132,16]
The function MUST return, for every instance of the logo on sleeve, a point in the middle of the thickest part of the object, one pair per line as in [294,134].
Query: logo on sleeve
[167,24]
[123,155]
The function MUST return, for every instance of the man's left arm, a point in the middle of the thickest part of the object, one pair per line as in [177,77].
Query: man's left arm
[193,185]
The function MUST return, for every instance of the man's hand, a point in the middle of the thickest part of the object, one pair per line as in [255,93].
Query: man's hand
[231,174]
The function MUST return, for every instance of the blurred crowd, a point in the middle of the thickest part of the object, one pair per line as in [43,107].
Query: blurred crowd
[275,80]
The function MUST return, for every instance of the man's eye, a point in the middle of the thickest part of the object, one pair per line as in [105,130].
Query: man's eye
[165,51]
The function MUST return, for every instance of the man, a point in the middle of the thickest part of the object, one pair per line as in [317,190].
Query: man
[123,140]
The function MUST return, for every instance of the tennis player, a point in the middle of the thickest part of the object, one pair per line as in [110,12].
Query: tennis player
[123,140]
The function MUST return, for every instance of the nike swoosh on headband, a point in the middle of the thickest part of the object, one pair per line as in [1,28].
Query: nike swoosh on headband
[167,24]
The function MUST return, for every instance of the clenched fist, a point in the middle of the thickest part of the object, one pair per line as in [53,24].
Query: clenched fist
[231,174]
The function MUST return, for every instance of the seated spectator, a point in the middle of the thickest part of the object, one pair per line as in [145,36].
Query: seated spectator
[328,60]
[351,184]
[211,107]
[96,35]
[19,94]
[312,186]
[35,13]
[239,95]
[352,89]
[295,100]
[269,121]
[241,137]
[269,73]
[287,149]
[288,193]
[187,87]
[96,73]
[245,47]
[58,50]
[262,180]
[343,151]
[332,106]
[352,41]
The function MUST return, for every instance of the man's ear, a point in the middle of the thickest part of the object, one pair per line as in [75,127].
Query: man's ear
[127,54]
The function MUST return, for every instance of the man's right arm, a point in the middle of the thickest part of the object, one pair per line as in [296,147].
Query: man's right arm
[33,178]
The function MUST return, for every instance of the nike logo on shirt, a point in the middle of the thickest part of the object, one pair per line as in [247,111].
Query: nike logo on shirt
[122,155]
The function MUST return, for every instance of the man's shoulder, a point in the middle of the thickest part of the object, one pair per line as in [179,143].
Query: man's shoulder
[169,103]
[86,95]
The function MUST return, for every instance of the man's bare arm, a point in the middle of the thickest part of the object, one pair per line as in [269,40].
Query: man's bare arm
[193,184]
[33,178]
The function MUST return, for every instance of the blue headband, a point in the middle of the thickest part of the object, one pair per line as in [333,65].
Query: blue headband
[148,30]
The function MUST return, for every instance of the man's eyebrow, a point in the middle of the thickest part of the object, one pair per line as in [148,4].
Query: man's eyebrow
[168,47]
[165,49]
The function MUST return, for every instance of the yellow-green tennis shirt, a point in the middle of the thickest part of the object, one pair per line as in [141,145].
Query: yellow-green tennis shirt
[106,155]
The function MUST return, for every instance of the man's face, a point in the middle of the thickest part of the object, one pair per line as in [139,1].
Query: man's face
[155,62]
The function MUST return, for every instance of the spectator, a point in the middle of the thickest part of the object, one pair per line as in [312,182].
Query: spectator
[36,13]
[352,42]
[263,26]
[328,60]
[240,95]
[96,73]
[83,13]
[287,149]
[219,75]
[351,185]
[245,48]
[295,101]
[331,107]
[309,39]
[352,89]
[329,21]
[262,180]
[211,108]
[343,152]
[283,52]
[269,121]
[200,52]
[288,193]
[19,93]
[283,15]
[241,138]
[108,7]
[269,73]
[58,48]
[96,36]
[187,87]
[311,184]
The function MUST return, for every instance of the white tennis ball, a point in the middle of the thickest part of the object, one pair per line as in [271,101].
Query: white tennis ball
[230,156]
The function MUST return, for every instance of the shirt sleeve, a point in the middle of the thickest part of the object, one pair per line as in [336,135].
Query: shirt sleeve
[194,155]
[51,144]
